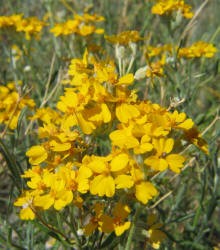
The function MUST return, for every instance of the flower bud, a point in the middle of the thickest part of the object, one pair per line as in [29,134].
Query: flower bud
[133,47]
[141,73]
[120,51]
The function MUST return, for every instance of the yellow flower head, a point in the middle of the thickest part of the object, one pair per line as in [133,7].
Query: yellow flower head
[124,38]
[165,7]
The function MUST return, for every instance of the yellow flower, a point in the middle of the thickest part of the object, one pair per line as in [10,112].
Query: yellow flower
[11,105]
[144,190]
[154,235]
[165,7]
[81,25]
[162,159]
[179,121]
[193,136]
[124,38]
[29,26]
[94,220]
[58,195]
[117,224]
[26,202]
[198,49]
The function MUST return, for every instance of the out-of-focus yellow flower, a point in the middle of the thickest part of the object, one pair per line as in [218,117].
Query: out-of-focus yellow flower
[165,7]
[124,38]
[15,52]
[116,223]
[81,25]
[94,220]
[154,235]
[193,136]
[11,104]
[30,26]
[198,49]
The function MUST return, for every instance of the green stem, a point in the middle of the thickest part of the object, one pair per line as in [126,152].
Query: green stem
[130,64]
[132,229]
[56,45]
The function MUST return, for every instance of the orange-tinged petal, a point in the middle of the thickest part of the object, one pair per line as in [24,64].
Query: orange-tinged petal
[90,228]
[119,229]
[151,219]
[106,224]
[121,210]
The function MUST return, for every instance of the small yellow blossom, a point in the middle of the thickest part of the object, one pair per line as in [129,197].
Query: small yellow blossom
[117,224]
[162,159]
[154,235]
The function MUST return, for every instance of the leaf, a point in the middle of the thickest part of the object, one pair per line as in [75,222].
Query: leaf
[12,165]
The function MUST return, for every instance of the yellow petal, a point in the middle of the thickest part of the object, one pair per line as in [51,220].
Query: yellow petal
[125,112]
[119,162]
[27,214]
[97,166]
[59,147]
[175,162]
[126,80]
[106,113]
[106,224]
[156,163]
[124,181]
[145,191]
[143,148]
[36,154]
[168,145]
[119,229]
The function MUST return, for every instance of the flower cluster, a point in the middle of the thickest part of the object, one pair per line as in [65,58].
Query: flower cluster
[124,38]
[11,104]
[106,223]
[30,26]
[166,7]
[81,25]
[197,49]
[144,138]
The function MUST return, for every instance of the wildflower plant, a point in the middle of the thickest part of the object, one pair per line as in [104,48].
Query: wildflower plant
[99,147]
